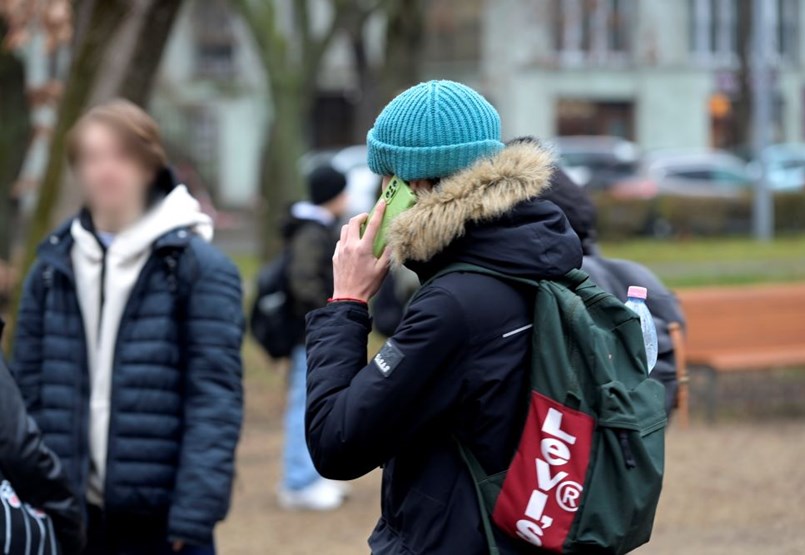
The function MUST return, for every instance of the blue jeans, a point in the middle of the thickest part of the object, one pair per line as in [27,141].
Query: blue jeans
[298,471]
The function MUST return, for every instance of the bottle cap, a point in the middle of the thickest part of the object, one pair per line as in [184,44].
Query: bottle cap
[636,292]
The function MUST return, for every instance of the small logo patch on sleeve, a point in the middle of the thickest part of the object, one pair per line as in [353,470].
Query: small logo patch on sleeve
[388,358]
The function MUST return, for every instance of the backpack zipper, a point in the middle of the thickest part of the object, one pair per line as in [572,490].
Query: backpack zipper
[628,455]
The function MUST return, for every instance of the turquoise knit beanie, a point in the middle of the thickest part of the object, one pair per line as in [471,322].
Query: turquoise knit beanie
[433,130]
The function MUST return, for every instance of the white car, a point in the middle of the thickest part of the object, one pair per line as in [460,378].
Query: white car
[785,166]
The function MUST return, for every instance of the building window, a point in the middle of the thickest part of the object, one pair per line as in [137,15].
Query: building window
[214,40]
[714,31]
[715,24]
[453,31]
[577,116]
[593,31]
[786,33]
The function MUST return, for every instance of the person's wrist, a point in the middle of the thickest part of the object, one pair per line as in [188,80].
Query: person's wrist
[339,297]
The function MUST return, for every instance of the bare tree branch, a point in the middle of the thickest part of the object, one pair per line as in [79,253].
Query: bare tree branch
[303,23]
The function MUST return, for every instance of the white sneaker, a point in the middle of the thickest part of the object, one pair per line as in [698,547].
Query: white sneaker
[344,487]
[321,495]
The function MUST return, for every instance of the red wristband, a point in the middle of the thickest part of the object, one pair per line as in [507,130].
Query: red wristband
[346,300]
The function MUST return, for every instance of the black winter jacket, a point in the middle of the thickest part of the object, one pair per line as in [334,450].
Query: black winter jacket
[457,366]
[33,470]
[176,388]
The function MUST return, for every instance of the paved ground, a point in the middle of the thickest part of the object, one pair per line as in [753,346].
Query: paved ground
[731,489]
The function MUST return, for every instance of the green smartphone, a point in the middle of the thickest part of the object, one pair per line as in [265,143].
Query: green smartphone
[398,197]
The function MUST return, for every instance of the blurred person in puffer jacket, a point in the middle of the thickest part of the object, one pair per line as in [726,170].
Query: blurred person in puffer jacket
[128,346]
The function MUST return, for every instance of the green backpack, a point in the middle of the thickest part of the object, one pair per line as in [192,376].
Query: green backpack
[587,474]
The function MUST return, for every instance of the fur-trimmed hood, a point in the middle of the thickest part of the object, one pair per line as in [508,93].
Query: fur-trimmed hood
[490,214]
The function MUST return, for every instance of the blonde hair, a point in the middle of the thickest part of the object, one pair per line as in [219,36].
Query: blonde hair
[135,127]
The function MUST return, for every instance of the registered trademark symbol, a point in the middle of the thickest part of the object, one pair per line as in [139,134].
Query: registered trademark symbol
[568,495]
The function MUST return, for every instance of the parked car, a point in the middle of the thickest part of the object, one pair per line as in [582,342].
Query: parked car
[785,166]
[597,162]
[694,173]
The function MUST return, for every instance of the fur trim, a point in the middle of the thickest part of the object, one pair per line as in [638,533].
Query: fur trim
[484,191]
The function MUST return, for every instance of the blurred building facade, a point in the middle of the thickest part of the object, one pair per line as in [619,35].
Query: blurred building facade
[664,73]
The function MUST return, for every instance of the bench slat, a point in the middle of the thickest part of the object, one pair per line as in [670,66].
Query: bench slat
[746,360]
[746,327]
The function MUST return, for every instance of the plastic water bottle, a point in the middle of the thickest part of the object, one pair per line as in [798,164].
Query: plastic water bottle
[637,302]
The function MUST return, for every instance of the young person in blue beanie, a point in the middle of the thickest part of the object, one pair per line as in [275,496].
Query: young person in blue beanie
[128,346]
[457,366]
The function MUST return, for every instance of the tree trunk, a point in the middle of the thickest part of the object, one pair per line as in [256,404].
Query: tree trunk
[281,181]
[403,47]
[16,125]
[742,106]
[139,79]
[369,86]
[106,16]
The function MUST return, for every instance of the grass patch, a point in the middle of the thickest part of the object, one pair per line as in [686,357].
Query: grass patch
[248,265]
[683,262]
[730,249]
[726,261]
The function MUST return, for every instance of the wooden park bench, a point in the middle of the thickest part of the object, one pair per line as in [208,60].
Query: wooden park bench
[734,329]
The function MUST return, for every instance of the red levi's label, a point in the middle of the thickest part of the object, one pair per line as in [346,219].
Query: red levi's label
[545,480]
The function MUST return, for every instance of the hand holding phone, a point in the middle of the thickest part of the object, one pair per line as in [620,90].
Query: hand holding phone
[357,273]
[398,197]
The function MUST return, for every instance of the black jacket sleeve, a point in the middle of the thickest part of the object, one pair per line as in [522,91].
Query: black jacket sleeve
[33,470]
[213,402]
[358,415]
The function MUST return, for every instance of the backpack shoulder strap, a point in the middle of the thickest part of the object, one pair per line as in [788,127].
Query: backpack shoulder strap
[478,475]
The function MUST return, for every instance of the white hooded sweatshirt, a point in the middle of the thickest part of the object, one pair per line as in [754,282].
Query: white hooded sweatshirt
[104,282]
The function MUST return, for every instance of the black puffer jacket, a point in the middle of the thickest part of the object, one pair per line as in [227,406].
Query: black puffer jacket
[35,473]
[456,366]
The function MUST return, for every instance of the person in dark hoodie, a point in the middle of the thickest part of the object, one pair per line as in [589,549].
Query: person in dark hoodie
[31,475]
[616,275]
[457,365]
[310,236]
[128,346]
